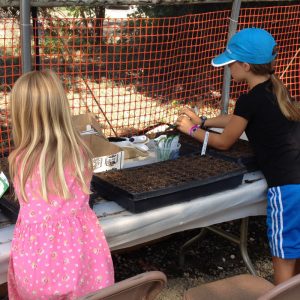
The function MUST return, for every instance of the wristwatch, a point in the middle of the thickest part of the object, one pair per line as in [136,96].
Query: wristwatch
[203,120]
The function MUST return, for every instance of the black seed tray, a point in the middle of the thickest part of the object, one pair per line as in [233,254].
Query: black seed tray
[240,152]
[151,186]
[9,206]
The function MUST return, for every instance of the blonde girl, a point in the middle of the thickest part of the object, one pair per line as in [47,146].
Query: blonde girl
[59,250]
[270,118]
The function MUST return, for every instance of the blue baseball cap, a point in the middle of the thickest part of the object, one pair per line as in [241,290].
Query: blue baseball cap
[250,45]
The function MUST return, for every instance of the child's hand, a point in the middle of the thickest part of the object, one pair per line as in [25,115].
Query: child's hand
[184,124]
[191,114]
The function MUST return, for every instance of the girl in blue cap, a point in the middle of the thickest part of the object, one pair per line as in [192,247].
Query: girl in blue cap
[270,118]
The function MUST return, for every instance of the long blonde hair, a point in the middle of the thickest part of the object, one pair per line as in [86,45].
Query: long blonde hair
[288,106]
[44,137]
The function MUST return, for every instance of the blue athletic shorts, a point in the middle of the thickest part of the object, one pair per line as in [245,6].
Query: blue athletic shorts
[283,221]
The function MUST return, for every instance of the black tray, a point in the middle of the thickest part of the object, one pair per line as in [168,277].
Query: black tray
[10,207]
[151,195]
[240,152]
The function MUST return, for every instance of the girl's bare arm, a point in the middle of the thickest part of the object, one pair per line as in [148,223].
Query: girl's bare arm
[219,122]
[233,130]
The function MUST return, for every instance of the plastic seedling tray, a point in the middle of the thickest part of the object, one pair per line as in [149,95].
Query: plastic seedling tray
[240,152]
[151,186]
[9,206]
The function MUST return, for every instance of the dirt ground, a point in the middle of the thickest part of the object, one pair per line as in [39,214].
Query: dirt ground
[210,259]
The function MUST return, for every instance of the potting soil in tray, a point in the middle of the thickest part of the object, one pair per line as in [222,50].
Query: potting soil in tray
[151,186]
[240,151]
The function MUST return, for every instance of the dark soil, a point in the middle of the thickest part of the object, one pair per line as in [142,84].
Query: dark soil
[182,171]
[240,150]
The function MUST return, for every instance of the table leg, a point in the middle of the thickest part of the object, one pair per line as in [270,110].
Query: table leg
[241,241]
[188,244]
[243,245]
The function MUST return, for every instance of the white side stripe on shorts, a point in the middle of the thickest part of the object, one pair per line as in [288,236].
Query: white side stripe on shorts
[277,222]
[281,221]
[273,220]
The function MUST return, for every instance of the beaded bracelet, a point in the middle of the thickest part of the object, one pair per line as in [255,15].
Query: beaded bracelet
[193,130]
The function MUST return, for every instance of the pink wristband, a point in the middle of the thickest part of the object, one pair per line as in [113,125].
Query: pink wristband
[193,129]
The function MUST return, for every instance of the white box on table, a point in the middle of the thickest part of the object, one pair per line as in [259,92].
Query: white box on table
[106,156]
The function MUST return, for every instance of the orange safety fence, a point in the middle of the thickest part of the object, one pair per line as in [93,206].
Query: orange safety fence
[10,70]
[136,73]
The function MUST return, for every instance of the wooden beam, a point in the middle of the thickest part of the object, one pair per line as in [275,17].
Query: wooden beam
[65,3]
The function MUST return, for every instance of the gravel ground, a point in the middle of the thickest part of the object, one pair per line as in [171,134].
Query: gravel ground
[211,259]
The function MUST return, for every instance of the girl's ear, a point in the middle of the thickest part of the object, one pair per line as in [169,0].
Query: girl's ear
[246,67]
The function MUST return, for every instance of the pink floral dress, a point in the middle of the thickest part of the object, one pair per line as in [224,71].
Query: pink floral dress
[59,250]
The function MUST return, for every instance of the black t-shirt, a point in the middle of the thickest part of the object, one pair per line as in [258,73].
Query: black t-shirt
[275,139]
